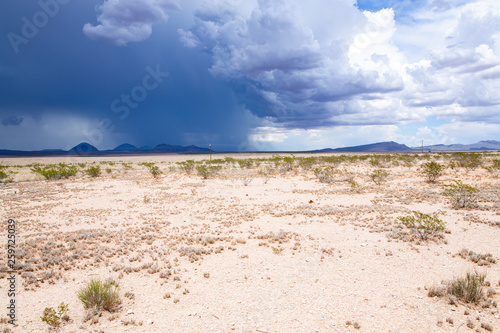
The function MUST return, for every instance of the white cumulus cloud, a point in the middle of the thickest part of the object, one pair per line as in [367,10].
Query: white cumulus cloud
[124,21]
[324,64]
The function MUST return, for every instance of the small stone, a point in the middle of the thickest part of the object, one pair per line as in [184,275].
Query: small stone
[130,311]
[150,321]
[487,326]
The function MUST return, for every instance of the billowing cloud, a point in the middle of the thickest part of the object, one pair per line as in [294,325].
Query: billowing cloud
[12,121]
[124,21]
[328,63]
[300,63]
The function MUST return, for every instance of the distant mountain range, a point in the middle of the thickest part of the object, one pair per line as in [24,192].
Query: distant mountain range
[392,146]
[86,149]
[389,146]
[481,145]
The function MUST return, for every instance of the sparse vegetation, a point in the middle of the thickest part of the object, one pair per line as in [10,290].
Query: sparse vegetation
[467,289]
[494,168]
[477,258]
[58,171]
[93,171]
[187,166]
[153,169]
[207,171]
[326,174]
[461,195]
[54,318]
[432,171]
[379,176]
[3,175]
[424,225]
[164,231]
[468,161]
[100,295]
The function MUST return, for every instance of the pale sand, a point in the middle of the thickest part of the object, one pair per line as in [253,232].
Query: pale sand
[334,264]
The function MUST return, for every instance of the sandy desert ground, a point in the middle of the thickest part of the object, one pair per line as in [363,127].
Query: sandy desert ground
[253,248]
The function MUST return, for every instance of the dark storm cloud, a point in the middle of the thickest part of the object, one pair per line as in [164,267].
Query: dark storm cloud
[12,121]
[65,84]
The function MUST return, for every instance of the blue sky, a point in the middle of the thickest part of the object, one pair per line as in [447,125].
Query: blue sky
[248,74]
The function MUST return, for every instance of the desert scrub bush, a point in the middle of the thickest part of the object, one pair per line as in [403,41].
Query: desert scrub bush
[382,160]
[287,163]
[153,169]
[461,195]
[468,289]
[186,166]
[424,225]
[407,159]
[306,163]
[53,318]
[93,171]
[100,295]
[330,174]
[432,171]
[378,176]
[480,259]
[207,171]
[58,171]
[245,163]
[283,163]
[468,161]
[494,168]
[326,174]
[4,177]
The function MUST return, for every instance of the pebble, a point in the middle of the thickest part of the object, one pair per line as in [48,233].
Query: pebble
[130,311]
[150,321]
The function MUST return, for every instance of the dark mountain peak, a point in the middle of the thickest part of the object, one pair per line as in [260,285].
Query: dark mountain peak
[386,146]
[83,148]
[126,147]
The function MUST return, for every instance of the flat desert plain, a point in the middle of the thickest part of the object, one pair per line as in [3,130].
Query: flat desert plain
[304,243]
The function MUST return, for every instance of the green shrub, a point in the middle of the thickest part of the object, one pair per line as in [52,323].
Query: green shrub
[207,171]
[187,166]
[461,195]
[3,175]
[469,288]
[53,317]
[108,170]
[245,163]
[326,174]
[432,171]
[424,225]
[381,160]
[468,161]
[100,295]
[306,163]
[93,171]
[56,171]
[153,169]
[378,176]
[494,168]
